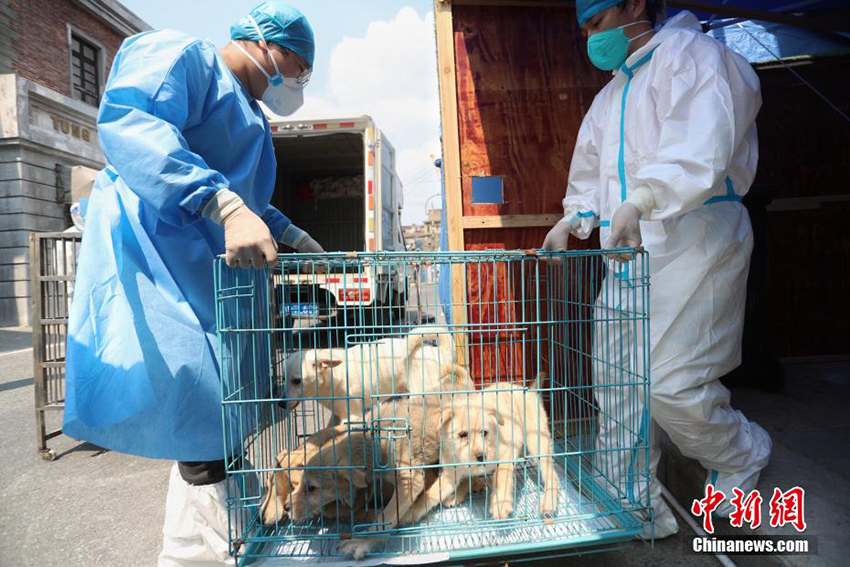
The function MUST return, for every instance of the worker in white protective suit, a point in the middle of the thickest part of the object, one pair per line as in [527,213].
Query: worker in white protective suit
[663,158]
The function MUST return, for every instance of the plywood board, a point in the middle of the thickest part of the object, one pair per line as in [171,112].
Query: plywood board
[523,86]
[446,73]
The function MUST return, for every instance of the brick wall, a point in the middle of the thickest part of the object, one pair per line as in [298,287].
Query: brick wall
[43,52]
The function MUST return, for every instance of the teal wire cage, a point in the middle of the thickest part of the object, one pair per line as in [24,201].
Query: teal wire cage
[357,402]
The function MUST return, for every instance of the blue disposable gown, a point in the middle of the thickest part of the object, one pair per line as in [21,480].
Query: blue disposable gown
[176,126]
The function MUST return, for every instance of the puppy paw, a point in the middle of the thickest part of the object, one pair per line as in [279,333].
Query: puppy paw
[549,503]
[356,548]
[456,497]
[501,509]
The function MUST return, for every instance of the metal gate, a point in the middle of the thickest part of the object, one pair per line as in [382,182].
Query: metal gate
[53,263]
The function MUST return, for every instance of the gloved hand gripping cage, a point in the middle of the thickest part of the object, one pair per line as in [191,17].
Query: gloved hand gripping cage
[511,420]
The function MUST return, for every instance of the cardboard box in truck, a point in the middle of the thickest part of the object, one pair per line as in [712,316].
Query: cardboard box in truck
[337,180]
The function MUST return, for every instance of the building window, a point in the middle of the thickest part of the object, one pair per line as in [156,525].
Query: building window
[85,79]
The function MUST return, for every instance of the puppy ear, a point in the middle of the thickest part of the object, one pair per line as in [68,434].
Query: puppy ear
[498,415]
[447,412]
[347,494]
[357,478]
[325,363]
[348,491]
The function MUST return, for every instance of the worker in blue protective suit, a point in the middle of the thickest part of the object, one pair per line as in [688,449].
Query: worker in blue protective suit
[189,176]
[662,159]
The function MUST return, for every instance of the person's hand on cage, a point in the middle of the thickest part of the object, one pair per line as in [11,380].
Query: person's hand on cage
[308,245]
[558,237]
[247,240]
[625,224]
[625,231]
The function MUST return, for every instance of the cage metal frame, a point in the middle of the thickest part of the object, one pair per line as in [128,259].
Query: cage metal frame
[268,429]
[53,266]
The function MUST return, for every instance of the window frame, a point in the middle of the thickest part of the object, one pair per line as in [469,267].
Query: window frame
[100,64]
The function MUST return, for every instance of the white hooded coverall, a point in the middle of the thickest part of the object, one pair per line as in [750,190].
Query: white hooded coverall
[679,119]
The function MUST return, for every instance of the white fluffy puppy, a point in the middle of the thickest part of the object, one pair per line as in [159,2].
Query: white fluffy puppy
[524,424]
[520,422]
[344,380]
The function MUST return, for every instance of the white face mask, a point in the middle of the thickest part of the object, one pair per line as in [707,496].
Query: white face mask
[284,95]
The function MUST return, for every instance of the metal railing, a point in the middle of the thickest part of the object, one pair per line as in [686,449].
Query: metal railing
[53,262]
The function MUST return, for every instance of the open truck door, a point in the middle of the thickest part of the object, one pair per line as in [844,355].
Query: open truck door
[337,180]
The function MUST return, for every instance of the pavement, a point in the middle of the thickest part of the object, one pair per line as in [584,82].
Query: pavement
[809,423]
[89,506]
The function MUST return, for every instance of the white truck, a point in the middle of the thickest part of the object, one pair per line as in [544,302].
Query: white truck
[337,180]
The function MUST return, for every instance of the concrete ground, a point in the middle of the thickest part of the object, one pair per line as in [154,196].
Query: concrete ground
[88,507]
[809,422]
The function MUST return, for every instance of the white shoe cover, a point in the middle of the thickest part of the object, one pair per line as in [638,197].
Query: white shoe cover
[747,479]
[195,529]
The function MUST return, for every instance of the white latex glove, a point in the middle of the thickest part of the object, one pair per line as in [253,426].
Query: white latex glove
[625,224]
[247,240]
[558,236]
[625,230]
[305,244]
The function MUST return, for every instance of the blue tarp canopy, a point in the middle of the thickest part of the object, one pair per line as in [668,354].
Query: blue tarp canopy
[735,23]
[786,6]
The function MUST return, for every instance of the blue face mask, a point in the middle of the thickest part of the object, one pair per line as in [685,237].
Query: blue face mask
[609,49]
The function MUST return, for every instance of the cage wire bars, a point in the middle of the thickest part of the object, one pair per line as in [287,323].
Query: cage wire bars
[567,328]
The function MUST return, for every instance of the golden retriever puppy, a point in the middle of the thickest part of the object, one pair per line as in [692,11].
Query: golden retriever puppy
[419,431]
[521,423]
[343,462]
[284,481]
[337,475]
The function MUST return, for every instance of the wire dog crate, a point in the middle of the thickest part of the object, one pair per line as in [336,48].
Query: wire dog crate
[391,425]
[53,263]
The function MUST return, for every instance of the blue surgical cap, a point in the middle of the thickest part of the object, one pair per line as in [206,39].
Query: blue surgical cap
[586,9]
[281,24]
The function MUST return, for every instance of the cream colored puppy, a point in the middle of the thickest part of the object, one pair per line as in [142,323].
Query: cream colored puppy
[344,380]
[524,425]
[426,430]
[280,485]
[521,423]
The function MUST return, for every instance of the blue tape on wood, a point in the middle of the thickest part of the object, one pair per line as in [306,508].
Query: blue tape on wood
[487,190]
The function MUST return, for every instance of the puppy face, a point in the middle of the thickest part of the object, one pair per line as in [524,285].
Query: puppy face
[330,481]
[276,502]
[469,435]
[307,373]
